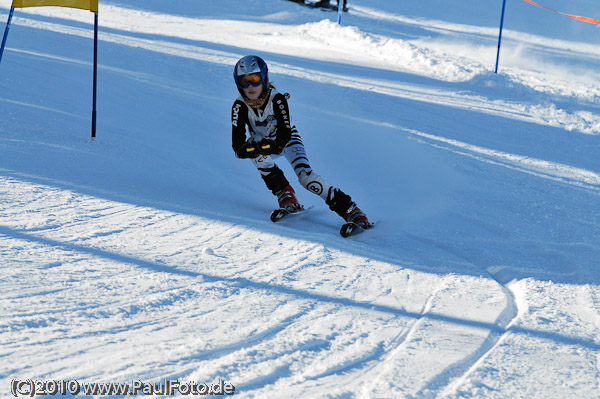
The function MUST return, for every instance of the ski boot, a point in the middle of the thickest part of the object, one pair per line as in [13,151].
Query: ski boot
[288,204]
[356,221]
[356,216]
[288,201]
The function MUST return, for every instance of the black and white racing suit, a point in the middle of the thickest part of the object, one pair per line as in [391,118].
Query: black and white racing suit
[273,121]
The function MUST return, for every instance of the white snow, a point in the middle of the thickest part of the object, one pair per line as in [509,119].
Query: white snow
[147,255]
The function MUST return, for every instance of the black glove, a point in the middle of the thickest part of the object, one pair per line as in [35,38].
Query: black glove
[247,150]
[269,147]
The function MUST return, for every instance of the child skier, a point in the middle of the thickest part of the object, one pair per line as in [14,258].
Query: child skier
[265,113]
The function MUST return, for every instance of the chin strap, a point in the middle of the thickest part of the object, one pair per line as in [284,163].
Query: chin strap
[259,102]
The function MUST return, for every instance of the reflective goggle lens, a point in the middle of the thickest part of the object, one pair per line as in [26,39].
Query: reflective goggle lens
[245,81]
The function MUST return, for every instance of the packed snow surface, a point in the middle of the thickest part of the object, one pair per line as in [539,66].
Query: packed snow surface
[147,255]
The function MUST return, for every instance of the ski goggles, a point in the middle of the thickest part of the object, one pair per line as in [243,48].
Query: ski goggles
[244,82]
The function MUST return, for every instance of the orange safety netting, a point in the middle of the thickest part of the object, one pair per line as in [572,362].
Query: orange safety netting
[584,19]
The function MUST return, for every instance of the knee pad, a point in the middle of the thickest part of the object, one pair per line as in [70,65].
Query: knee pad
[314,183]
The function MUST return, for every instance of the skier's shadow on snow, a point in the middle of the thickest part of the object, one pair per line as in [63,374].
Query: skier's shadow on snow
[247,283]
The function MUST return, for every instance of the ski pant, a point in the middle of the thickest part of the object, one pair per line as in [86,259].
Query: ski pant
[295,153]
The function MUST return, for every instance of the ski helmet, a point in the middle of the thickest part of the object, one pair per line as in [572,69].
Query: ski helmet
[250,65]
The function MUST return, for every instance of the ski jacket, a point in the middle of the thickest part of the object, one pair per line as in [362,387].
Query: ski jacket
[272,121]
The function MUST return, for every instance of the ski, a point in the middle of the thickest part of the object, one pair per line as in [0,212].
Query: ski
[280,213]
[351,229]
[348,229]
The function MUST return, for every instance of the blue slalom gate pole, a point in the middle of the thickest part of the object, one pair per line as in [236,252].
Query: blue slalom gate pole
[95,84]
[500,36]
[10,14]
[339,12]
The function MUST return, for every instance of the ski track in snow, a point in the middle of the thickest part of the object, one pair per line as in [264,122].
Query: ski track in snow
[92,232]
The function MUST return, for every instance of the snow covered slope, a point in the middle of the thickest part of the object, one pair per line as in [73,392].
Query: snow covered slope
[147,255]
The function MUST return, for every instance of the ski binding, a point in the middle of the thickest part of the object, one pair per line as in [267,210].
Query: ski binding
[351,229]
[282,213]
